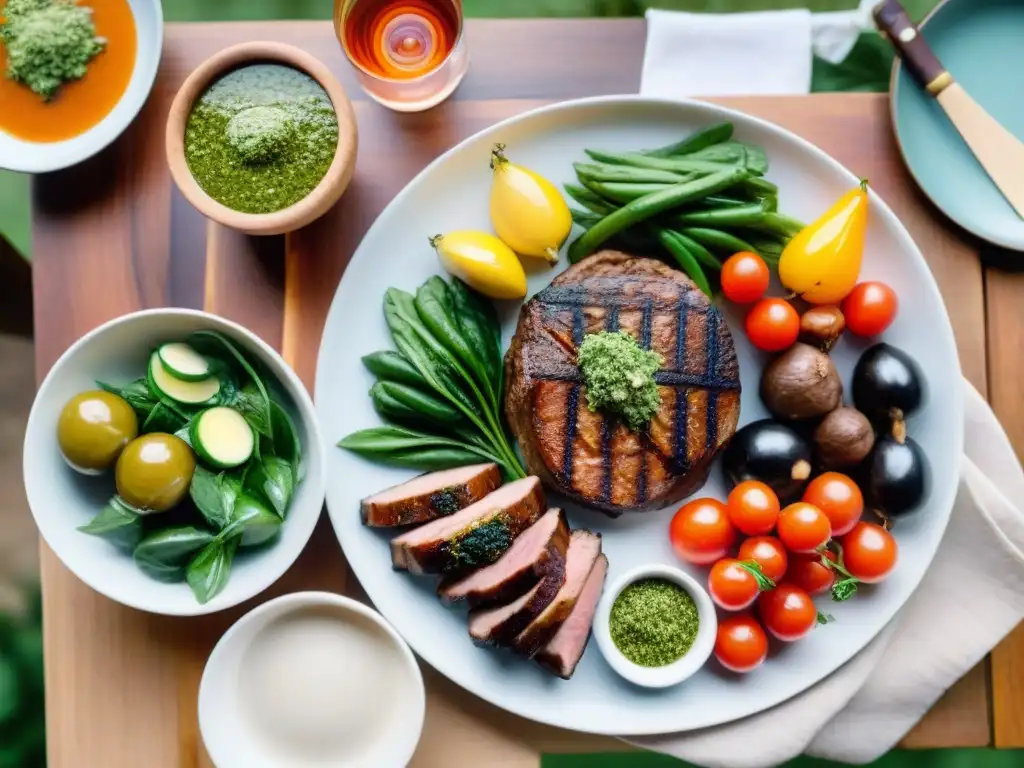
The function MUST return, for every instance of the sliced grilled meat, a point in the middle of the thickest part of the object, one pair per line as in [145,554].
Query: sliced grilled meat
[501,625]
[595,459]
[473,537]
[584,549]
[430,496]
[538,552]
[565,649]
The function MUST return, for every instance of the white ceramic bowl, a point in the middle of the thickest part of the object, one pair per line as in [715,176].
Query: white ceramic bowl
[61,499]
[234,740]
[41,157]
[690,662]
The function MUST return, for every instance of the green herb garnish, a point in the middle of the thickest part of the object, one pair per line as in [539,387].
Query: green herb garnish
[619,377]
[653,622]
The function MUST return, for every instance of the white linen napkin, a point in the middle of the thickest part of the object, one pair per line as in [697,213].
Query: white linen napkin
[972,596]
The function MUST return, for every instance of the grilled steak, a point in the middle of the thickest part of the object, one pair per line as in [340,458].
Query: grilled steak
[538,552]
[593,458]
[501,625]
[564,651]
[473,537]
[584,549]
[430,496]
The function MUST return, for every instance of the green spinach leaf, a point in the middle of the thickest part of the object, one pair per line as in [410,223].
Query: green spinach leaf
[185,434]
[208,572]
[253,520]
[388,365]
[249,402]
[479,324]
[409,448]
[215,495]
[271,478]
[163,419]
[136,393]
[164,554]
[285,443]
[117,522]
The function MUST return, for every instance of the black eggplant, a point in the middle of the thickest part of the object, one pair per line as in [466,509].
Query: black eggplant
[894,476]
[771,452]
[887,385]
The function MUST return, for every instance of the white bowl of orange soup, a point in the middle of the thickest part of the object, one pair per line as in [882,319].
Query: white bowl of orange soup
[84,116]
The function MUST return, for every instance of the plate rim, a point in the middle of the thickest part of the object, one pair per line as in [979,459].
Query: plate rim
[944,488]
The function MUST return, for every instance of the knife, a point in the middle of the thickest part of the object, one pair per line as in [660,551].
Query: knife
[1000,153]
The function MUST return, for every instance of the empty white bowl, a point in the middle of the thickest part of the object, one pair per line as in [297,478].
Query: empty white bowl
[40,157]
[250,688]
[62,499]
[689,662]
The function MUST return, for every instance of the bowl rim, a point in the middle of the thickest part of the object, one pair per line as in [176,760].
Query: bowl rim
[50,160]
[328,189]
[288,604]
[687,664]
[303,403]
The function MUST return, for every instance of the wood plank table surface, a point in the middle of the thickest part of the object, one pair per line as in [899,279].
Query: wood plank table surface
[113,235]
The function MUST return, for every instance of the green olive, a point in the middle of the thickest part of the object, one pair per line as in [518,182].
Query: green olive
[154,471]
[93,429]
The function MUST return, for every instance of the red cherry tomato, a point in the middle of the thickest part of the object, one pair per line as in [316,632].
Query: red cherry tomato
[787,612]
[803,527]
[700,531]
[772,325]
[734,584]
[808,573]
[768,552]
[741,644]
[869,552]
[753,508]
[744,277]
[839,498]
[870,308]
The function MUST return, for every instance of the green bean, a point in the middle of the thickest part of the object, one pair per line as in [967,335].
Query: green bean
[675,246]
[752,157]
[651,205]
[391,366]
[747,216]
[589,200]
[676,165]
[717,239]
[698,251]
[695,142]
[755,185]
[585,219]
[621,192]
[607,172]
[779,224]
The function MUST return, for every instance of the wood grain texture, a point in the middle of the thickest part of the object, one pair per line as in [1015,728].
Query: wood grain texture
[113,236]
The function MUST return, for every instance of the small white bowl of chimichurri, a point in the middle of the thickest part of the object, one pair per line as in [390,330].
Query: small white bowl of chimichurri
[656,626]
[262,138]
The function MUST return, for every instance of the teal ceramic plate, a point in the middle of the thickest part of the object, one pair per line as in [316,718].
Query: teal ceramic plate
[981,43]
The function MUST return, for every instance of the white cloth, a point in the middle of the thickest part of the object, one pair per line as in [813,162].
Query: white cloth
[971,597]
[744,54]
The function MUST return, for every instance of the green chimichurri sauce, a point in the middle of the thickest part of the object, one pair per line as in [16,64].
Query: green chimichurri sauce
[261,138]
[653,622]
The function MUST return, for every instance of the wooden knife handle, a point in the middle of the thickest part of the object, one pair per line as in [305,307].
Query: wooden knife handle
[894,24]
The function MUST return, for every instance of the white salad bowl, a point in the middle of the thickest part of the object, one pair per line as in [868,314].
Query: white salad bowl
[229,716]
[689,662]
[62,499]
[42,157]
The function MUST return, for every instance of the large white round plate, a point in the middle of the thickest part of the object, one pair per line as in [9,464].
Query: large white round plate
[452,193]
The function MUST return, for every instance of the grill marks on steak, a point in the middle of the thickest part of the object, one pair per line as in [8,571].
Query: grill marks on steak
[565,649]
[430,496]
[589,456]
[538,552]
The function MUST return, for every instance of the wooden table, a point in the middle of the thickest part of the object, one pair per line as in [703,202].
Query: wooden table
[113,236]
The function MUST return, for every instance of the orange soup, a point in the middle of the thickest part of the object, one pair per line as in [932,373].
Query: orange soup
[80,104]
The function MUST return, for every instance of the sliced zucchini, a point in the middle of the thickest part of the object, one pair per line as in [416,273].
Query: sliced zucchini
[188,392]
[183,362]
[222,437]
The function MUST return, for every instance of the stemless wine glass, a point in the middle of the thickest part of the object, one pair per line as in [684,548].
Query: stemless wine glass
[408,54]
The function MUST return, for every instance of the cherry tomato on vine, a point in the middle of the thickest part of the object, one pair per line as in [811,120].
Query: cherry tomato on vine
[803,527]
[753,508]
[700,531]
[869,552]
[772,325]
[787,612]
[744,277]
[741,644]
[768,552]
[810,574]
[734,584]
[839,498]
[870,308]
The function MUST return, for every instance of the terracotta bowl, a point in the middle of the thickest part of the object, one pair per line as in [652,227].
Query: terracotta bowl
[313,205]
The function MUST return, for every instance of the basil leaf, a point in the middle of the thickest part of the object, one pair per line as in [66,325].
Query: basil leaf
[270,478]
[210,342]
[208,572]
[136,393]
[253,520]
[479,324]
[215,496]
[164,554]
[249,402]
[185,434]
[388,365]
[285,442]
[117,522]
[163,419]
[409,448]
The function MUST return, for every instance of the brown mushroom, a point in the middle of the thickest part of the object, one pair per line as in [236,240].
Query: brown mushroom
[822,326]
[843,439]
[801,383]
